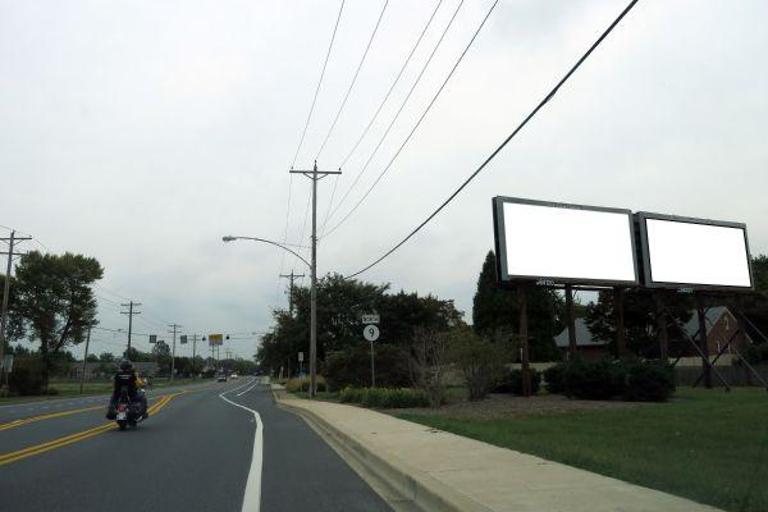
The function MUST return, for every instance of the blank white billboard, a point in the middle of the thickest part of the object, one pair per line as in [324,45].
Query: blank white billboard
[696,254]
[565,243]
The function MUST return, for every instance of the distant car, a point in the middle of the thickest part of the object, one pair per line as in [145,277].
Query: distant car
[234,376]
[221,378]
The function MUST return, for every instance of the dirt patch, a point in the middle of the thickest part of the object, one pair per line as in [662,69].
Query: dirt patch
[509,406]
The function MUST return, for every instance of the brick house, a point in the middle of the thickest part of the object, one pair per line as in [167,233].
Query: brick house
[588,347]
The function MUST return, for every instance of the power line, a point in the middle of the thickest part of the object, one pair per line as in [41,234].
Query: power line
[397,114]
[378,109]
[418,123]
[319,83]
[354,79]
[482,166]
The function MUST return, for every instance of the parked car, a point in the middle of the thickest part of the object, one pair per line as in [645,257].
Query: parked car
[234,376]
[221,378]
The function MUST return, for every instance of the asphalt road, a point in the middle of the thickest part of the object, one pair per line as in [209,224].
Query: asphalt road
[196,452]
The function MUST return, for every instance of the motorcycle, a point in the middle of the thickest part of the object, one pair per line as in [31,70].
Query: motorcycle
[127,413]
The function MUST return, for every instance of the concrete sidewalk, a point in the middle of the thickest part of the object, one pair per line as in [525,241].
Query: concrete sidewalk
[436,470]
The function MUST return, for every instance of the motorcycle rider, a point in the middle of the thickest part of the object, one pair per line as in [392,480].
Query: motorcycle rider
[128,378]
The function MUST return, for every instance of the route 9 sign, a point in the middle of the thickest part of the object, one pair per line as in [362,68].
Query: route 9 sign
[371,333]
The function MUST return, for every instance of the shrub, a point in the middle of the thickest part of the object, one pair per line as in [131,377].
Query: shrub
[594,380]
[649,381]
[27,376]
[302,384]
[555,378]
[480,361]
[352,367]
[513,382]
[384,398]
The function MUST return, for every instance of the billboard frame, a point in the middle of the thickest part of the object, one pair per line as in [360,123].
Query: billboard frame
[645,253]
[500,243]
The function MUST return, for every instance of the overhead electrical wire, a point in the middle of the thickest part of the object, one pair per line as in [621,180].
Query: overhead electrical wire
[506,141]
[418,122]
[397,114]
[304,133]
[354,80]
[378,109]
[319,84]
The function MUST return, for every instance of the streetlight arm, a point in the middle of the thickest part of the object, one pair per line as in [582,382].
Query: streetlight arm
[264,240]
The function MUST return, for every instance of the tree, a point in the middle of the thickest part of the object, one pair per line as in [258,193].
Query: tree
[639,320]
[53,301]
[495,310]
[341,304]
[162,354]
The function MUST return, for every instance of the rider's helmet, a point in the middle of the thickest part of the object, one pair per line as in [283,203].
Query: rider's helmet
[126,365]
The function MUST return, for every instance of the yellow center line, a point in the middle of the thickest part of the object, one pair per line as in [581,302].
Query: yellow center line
[7,458]
[33,419]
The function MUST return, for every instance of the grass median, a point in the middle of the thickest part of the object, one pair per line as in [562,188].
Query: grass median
[705,445]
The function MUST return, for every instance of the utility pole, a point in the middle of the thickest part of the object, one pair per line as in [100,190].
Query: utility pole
[194,353]
[131,313]
[85,359]
[292,277]
[175,328]
[315,176]
[6,295]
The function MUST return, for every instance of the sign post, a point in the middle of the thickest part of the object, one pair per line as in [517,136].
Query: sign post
[371,333]
[301,364]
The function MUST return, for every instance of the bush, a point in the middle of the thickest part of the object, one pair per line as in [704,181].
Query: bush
[595,380]
[384,398]
[635,380]
[513,382]
[649,381]
[555,378]
[27,376]
[302,384]
[480,360]
[352,367]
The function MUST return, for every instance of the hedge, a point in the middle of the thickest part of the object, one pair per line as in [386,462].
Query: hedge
[385,398]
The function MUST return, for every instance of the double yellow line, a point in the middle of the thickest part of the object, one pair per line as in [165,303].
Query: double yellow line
[33,419]
[7,458]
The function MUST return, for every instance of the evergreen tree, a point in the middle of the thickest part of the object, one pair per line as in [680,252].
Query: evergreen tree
[496,310]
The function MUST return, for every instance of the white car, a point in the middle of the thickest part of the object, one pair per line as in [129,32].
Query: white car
[234,376]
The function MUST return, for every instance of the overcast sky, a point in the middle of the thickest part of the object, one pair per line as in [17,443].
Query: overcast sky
[141,132]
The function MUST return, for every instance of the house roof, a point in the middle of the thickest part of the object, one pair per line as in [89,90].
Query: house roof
[711,316]
[584,336]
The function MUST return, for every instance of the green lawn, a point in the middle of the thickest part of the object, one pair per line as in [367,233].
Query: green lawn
[705,445]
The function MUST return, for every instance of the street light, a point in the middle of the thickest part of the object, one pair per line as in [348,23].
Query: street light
[313,303]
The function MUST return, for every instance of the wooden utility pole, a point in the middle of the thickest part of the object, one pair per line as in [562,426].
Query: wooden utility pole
[6,295]
[315,176]
[292,277]
[85,359]
[131,313]
[174,330]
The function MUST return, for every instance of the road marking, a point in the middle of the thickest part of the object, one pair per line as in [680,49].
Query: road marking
[7,458]
[247,390]
[33,419]
[252,496]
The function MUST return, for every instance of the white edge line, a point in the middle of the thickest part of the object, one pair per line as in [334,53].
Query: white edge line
[252,497]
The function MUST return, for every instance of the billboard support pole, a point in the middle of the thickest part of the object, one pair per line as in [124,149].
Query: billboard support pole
[572,348]
[618,306]
[661,327]
[703,344]
[522,301]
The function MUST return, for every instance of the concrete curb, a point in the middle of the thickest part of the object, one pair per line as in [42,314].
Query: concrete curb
[416,490]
